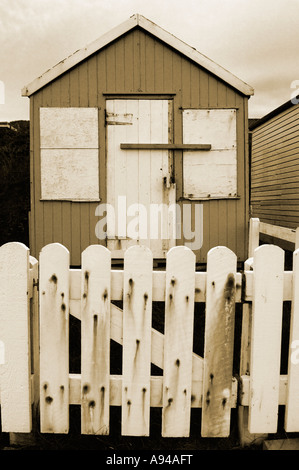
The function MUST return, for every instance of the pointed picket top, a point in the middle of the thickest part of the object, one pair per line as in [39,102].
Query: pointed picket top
[54,330]
[95,337]
[268,268]
[178,342]
[15,370]
[137,322]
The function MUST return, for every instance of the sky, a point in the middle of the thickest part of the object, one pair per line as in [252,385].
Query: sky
[256,40]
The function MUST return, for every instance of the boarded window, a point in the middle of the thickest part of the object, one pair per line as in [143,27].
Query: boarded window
[210,173]
[69,154]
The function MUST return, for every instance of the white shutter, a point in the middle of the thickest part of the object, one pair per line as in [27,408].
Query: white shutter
[69,154]
[210,173]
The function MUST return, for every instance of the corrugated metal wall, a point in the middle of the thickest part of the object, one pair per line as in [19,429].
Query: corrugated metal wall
[275,170]
[135,65]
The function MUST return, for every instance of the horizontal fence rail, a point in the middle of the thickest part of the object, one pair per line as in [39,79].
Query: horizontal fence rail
[38,297]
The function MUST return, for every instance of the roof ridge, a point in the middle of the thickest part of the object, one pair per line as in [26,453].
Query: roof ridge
[152,28]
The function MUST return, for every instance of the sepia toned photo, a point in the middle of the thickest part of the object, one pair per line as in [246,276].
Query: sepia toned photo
[149,207]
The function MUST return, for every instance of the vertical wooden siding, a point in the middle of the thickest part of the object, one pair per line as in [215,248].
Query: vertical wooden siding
[275,171]
[137,63]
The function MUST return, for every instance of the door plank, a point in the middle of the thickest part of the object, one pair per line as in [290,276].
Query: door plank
[141,176]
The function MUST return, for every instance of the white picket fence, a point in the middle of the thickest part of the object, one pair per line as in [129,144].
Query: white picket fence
[37,297]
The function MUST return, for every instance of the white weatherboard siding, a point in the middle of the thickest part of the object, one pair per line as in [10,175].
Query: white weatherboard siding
[210,173]
[69,153]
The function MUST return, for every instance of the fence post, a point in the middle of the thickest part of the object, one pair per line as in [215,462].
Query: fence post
[15,369]
[34,279]
[292,401]
[246,438]
[254,236]
[25,439]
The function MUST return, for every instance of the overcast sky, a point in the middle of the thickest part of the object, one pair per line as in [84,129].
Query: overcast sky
[256,40]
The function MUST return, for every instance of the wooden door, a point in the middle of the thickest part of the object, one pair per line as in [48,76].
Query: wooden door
[139,181]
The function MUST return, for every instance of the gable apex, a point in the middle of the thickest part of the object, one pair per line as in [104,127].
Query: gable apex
[155,30]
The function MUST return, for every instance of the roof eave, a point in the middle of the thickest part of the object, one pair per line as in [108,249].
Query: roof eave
[79,56]
[123,28]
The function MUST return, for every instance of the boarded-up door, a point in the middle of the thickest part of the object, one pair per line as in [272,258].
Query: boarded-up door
[140,194]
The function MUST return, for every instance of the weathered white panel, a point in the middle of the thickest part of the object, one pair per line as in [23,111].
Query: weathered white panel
[95,339]
[54,339]
[219,341]
[210,173]
[69,174]
[15,390]
[210,126]
[137,319]
[69,153]
[178,342]
[69,128]
[268,268]
[208,179]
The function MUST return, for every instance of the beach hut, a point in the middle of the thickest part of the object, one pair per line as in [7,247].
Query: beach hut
[139,138]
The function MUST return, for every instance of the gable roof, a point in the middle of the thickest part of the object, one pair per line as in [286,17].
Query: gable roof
[155,30]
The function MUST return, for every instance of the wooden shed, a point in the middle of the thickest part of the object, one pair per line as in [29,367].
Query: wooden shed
[275,167]
[138,117]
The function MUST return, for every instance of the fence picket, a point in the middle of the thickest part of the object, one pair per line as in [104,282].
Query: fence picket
[178,342]
[188,380]
[54,339]
[292,402]
[95,334]
[14,338]
[219,341]
[268,267]
[137,318]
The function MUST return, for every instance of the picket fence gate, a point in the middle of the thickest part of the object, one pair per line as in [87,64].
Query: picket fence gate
[37,297]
